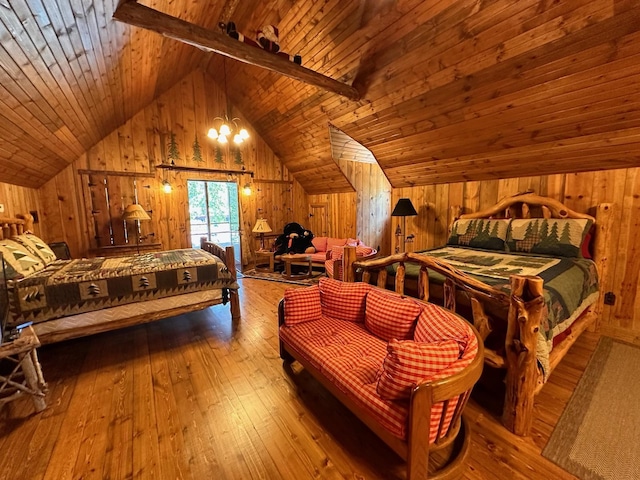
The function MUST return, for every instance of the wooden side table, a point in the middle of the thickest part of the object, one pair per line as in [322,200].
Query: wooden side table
[264,261]
[296,259]
[25,373]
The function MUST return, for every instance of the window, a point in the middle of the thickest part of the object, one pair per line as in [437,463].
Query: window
[214,213]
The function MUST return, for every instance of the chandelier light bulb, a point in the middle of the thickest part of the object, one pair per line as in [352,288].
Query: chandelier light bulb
[237,139]
[225,130]
[244,134]
[212,133]
[222,138]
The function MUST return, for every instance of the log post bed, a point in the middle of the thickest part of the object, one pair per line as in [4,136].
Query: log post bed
[522,309]
[123,315]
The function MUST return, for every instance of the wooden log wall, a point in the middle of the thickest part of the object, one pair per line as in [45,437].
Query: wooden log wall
[579,191]
[187,110]
[18,199]
[364,214]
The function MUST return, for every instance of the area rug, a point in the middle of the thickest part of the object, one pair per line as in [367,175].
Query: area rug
[277,277]
[598,434]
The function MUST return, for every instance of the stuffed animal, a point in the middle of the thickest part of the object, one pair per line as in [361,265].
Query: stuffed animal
[294,239]
[267,39]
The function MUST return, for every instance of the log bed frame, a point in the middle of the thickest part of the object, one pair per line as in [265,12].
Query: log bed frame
[24,223]
[524,304]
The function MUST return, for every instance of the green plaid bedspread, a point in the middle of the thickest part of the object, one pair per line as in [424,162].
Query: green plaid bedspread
[570,284]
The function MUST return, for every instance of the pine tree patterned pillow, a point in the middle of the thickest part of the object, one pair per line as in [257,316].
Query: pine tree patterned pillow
[19,262]
[558,237]
[480,233]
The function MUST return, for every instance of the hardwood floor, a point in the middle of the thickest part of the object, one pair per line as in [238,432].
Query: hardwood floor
[199,397]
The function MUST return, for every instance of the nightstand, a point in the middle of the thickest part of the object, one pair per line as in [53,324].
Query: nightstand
[264,261]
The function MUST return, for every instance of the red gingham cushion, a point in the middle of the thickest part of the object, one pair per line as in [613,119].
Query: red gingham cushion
[319,243]
[436,324]
[409,363]
[390,315]
[302,305]
[331,242]
[350,357]
[344,301]
[337,251]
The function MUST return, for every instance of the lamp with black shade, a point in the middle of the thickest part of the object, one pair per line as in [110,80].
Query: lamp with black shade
[135,213]
[404,208]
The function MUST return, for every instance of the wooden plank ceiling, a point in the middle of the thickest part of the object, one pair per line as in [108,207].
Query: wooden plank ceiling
[451,90]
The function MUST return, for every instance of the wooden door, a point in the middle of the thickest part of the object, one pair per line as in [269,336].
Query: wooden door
[318,219]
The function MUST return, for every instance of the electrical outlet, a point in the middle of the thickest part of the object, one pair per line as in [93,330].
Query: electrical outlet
[609,298]
[1,207]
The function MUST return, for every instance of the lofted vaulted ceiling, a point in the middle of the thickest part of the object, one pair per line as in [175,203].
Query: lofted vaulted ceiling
[450,90]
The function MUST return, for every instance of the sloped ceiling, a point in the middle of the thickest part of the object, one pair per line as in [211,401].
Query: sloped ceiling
[451,90]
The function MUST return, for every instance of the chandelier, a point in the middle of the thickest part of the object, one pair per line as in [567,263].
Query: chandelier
[227,128]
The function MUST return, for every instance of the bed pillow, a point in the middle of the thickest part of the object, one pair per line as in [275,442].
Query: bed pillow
[389,315]
[343,301]
[410,363]
[559,237]
[19,262]
[302,305]
[36,246]
[480,233]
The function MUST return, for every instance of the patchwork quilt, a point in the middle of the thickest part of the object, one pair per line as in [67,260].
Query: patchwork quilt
[570,284]
[69,287]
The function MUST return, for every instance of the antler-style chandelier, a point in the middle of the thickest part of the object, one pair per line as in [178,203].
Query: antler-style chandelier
[228,127]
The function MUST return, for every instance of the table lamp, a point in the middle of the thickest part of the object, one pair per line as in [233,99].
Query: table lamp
[135,213]
[404,208]
[261,227]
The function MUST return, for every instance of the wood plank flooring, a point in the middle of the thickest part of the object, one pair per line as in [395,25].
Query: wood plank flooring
[199,397]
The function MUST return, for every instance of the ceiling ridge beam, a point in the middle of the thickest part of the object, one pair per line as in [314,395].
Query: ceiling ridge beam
[132,13]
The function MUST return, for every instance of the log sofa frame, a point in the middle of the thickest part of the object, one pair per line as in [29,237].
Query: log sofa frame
[24,223]
[524,303]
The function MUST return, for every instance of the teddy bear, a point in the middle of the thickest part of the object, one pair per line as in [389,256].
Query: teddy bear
[266,38]
[294,239]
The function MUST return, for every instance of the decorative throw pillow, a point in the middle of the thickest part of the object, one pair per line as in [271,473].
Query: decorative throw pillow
[558,237]
[19,262]
[36,246]
[320,243]
[343,301]
[479,233]
[331,242]
[435,324]
[302,305]
[389,315]
[410,363]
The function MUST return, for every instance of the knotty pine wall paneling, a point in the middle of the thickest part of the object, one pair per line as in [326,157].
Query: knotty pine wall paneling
[188,110]
[580,192]
[17,199]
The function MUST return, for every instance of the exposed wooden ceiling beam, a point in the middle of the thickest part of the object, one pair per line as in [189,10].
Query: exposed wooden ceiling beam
[133,13]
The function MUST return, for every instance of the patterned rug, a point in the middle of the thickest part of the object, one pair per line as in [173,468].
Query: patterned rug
[277,277]
[598,434]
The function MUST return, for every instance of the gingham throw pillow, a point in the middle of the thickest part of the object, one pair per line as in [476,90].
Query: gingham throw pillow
[410,363]
[389,315]
[435,324]
[302,305]
[343,301]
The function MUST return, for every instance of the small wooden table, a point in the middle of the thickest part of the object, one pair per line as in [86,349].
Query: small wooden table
[296,259]
[25,374]
[264,261]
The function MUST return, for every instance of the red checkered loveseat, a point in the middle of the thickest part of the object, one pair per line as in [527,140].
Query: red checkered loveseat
[403,366]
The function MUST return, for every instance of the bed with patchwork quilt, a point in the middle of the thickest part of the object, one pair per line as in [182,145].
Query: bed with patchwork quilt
[522,272]
[70,298]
